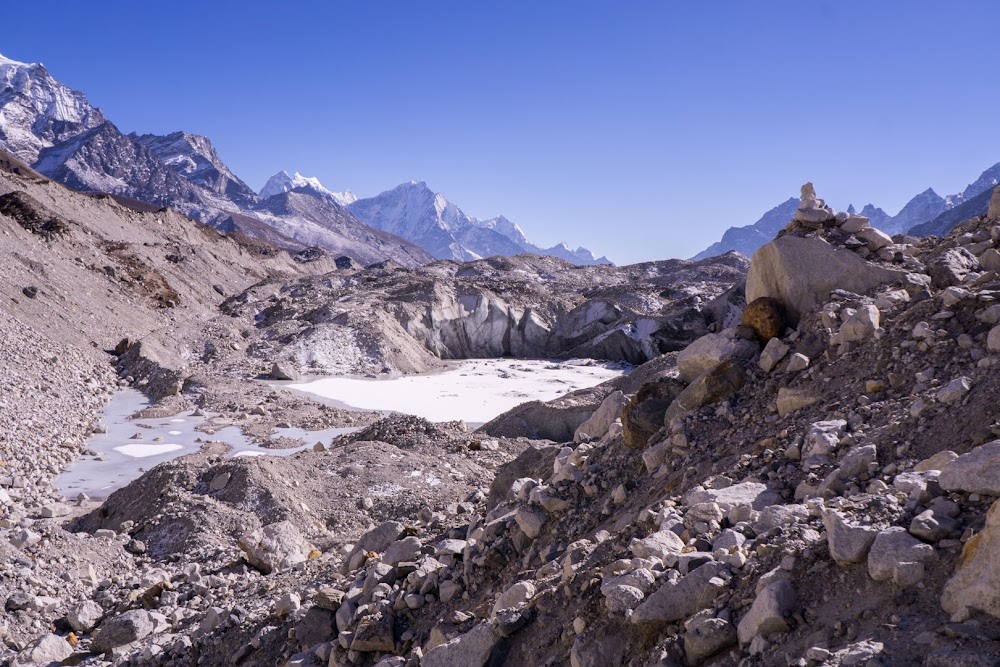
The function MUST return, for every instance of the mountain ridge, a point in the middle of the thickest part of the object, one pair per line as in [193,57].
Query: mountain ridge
[56,130]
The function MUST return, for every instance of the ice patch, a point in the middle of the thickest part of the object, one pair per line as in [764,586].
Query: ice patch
[474,391]
[142,451]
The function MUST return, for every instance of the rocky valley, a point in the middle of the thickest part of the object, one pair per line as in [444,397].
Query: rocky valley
[798,470]
[295,427]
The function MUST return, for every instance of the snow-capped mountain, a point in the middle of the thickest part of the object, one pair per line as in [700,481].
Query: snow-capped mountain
[415,212]
[282,182]
[36,111]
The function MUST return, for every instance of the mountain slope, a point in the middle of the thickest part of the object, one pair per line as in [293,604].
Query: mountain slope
[943,223]
[105,160]
[194,158]
[320,221]
[925,206]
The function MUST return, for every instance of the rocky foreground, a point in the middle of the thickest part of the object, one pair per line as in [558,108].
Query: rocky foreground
[809,480]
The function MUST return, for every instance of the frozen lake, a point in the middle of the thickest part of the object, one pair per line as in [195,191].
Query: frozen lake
[475,391]
[122,458]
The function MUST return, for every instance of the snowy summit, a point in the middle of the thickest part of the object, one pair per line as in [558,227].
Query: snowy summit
[282,182]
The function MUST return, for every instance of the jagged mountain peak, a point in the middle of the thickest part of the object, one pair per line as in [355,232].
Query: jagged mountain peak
[37,112]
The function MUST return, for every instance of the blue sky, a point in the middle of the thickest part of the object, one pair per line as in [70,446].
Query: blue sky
[639,129]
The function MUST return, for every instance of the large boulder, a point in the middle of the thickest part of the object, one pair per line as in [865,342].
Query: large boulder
[993,212]
[951,267]
[801,273]
[378,539]
[976,582]
[276,546]
[769,613]
[897,555]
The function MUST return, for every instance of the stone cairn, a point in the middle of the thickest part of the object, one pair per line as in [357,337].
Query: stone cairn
[851,231]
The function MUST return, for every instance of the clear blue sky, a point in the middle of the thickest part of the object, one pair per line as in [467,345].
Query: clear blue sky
[638,129]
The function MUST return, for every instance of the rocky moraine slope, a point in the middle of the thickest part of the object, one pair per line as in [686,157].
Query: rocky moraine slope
[804,479]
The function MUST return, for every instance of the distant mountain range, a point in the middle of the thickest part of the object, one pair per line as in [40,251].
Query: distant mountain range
[415,212]
[925,214]
[55,129]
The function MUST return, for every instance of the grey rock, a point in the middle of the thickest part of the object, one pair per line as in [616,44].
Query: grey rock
[848,543]
[46,650]
[85,616]
[856,462]
[377,539]
[801,273]
[770,612]
[951,267]
[471,649]
[711,350]
[121,630]
[861,325]
[932,527]
[713,386]
[407,549]
[676,600]
[955,390]
[773,353]
[754,494]
[597,424]
[920,486]
[515,597]
[657,546]
[706,638]
[276,546]
[282,371]
[897,555]
[374,633]
[975,472]
[620,597]
[530,521]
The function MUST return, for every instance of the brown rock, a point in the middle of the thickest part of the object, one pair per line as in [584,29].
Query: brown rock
[714,386]
[643,415]
[994,210]
[766,316]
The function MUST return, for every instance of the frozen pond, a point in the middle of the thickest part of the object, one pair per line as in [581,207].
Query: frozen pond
[121,458]
[474,391]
